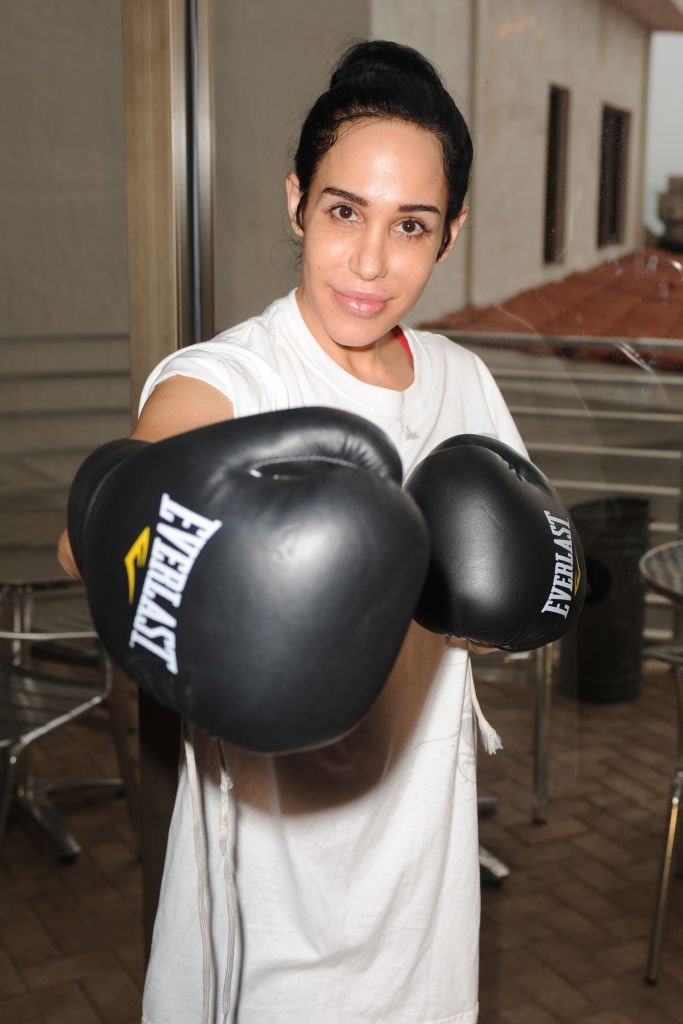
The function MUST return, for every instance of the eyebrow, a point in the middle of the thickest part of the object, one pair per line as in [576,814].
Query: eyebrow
[360,201]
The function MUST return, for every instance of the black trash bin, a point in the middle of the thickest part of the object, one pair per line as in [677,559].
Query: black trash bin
[600,658]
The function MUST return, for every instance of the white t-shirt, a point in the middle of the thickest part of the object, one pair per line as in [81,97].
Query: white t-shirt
[355,867]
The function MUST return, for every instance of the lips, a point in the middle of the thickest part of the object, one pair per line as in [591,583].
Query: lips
[361,303]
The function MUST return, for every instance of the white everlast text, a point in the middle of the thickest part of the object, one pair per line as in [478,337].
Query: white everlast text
[180,536]
[562,590]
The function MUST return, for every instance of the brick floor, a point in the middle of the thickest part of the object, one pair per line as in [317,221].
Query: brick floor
[564,938]
[71,934]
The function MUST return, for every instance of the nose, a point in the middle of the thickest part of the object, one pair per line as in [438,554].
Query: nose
[369,256]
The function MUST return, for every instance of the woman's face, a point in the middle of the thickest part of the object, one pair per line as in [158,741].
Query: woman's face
[372,228]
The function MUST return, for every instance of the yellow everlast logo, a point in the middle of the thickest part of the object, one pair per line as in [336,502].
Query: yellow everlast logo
[137,556]
[577,574]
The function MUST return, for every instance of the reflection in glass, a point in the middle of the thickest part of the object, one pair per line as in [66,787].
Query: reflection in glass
[63,287]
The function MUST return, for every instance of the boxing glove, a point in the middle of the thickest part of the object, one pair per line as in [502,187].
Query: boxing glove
[506,567]
[256,575]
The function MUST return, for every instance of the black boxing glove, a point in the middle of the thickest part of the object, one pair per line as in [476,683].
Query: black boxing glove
[507,568]
[89,479]
[257,575]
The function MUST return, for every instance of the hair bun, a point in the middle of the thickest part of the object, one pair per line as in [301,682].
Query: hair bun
[379,56]
[381,79]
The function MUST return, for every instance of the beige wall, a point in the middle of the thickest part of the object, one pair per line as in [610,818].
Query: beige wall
[268,70]
[62,208]
[599,53]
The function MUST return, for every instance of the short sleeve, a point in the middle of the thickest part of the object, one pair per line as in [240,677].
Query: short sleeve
[242,376]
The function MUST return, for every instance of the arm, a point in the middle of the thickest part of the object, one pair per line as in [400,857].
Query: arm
[175,406]
[180,404]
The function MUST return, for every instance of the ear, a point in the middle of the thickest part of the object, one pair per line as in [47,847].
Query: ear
[454,231]
[293,190]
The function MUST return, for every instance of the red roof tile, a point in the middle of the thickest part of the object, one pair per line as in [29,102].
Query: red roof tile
[638,296]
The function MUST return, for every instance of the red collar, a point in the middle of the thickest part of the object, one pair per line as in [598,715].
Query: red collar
[404,341]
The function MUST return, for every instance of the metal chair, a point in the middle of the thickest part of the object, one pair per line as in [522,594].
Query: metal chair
[55,671]
[662,569]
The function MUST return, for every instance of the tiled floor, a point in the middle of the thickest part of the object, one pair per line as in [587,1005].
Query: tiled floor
[563,939]
[71,934]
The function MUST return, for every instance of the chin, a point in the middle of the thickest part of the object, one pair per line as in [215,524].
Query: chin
[358,331]
[346,336]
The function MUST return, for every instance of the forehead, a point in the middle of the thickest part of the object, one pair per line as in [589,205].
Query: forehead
[389,159]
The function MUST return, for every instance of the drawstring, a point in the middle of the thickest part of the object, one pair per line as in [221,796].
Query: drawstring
[200,859]
[226,786]
[202,876]
[489,737]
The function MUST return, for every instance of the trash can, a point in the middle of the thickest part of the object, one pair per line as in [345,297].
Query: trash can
[600,659]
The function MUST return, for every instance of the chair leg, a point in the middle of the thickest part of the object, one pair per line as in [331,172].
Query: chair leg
[17,787]
[669,851]
[667,867]
[544,682]
[7,767]
[46,815]
[118,708]
[493,871]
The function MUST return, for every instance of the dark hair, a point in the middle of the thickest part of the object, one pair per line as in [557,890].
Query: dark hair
[387,80]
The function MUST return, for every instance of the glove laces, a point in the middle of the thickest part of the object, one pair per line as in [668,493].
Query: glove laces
[489,737]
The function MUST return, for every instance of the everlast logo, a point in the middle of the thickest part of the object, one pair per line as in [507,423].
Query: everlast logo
[180,536]
[565,579]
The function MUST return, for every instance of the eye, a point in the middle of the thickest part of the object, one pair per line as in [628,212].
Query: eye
[411,227]
[343,212]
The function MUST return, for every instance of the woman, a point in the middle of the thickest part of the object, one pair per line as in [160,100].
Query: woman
[343,885]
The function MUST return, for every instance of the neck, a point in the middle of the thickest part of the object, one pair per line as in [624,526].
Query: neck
[384,363]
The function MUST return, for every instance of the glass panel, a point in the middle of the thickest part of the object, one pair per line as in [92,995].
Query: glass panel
[63,287]
[64,389]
